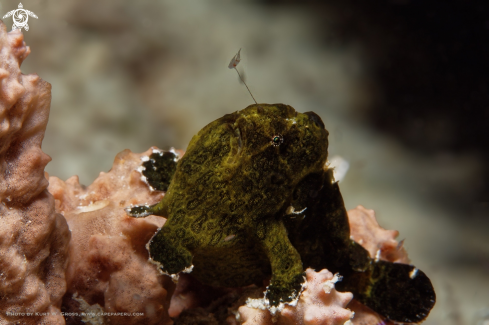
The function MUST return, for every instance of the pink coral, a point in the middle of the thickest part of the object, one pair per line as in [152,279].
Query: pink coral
[319,304]
[379,242]
[33,237]
[109,264]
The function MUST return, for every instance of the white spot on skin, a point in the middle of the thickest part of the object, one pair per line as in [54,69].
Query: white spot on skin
[274,310]
[377,256]
[295,300]
[340,166]
[413,273]
[177,156]
[264,304]
[294,120]
[291,210]
[188,269]
[140,169]
[158,151]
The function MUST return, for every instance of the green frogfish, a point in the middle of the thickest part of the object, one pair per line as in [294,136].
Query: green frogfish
[251,200]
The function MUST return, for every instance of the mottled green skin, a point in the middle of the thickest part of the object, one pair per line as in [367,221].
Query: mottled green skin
[227,205]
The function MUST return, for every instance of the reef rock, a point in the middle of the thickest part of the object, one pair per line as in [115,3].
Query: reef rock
[33,237]
[109,262]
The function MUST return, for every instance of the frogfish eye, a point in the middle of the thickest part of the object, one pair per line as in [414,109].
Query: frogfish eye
[277,140]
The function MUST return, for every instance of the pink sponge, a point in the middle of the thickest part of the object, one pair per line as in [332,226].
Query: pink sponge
[319,303]
[109,262]
[33,237]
